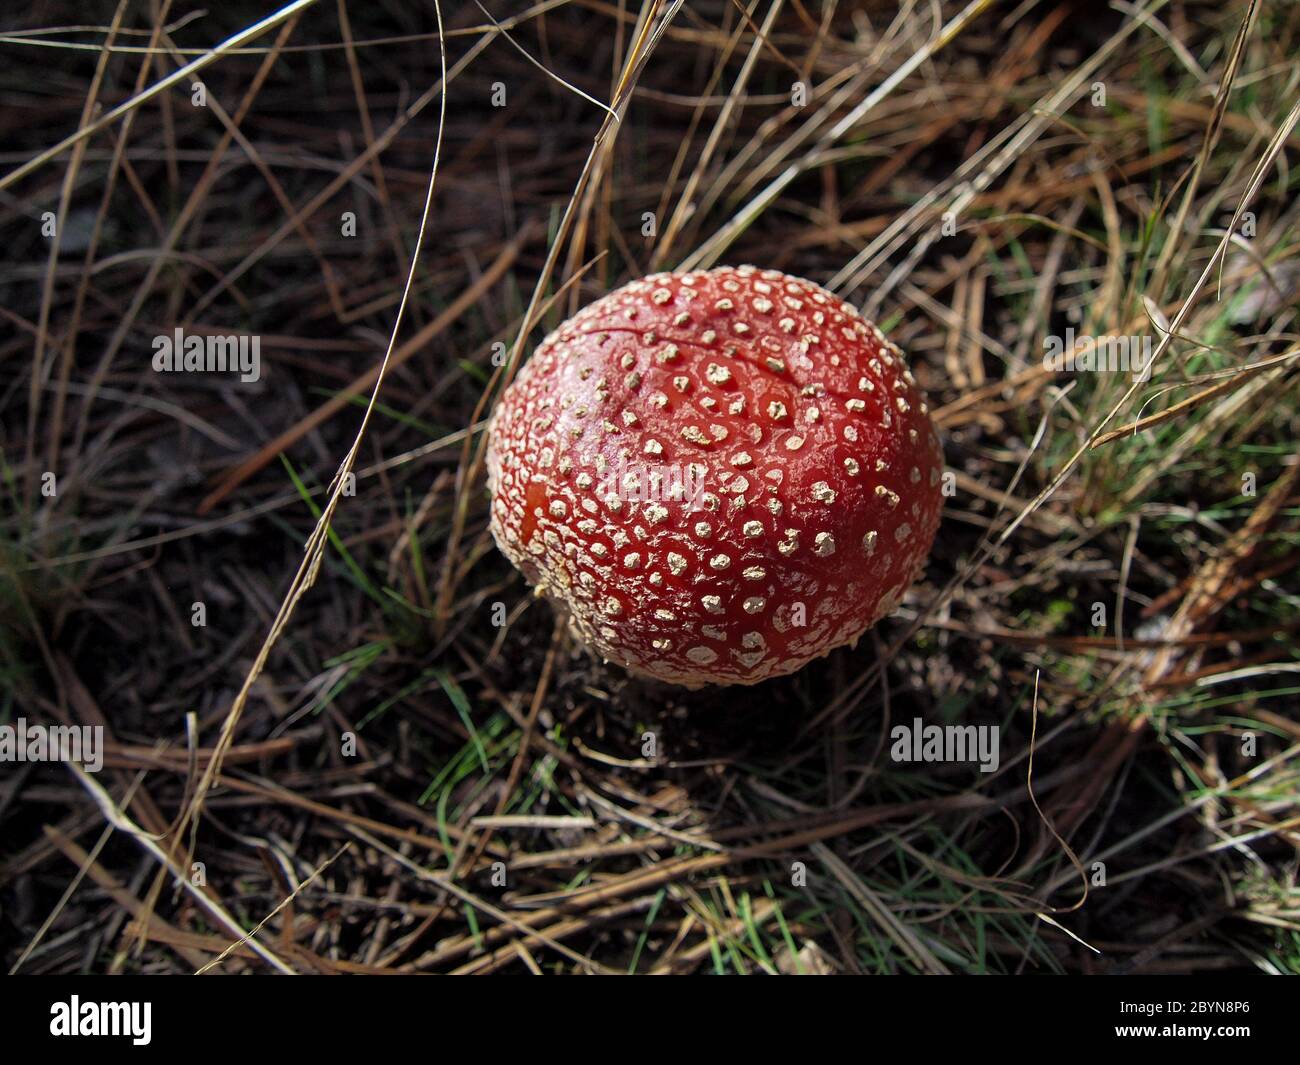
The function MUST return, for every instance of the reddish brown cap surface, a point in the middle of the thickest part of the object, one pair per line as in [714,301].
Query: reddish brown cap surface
[721,475]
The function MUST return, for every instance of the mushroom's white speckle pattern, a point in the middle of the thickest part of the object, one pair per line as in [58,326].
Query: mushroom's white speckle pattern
[676,465]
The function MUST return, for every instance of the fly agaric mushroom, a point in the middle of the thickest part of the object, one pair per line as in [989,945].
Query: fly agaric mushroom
[720,475]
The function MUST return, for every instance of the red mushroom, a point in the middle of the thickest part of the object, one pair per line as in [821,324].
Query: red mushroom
[720,475]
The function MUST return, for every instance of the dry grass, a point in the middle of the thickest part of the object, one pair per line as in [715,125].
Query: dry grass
[956,173]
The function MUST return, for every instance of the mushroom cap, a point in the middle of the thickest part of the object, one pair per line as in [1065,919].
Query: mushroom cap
[720,475]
